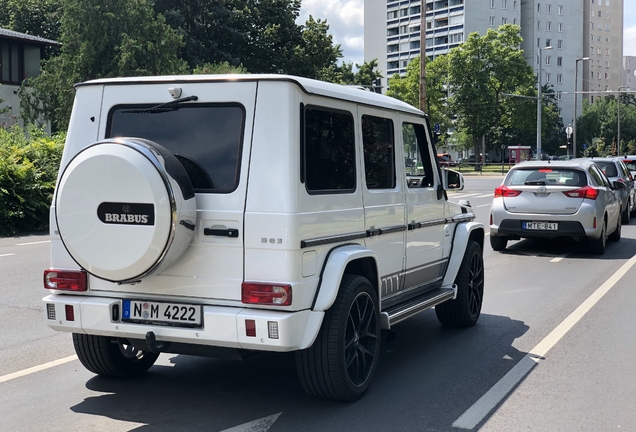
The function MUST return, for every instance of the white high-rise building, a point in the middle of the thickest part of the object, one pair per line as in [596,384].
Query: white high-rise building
[393,31]
[629,72]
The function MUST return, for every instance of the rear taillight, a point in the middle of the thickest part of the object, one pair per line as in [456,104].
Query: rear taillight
[266,294]
[506,192]
[586,192]
[66,280]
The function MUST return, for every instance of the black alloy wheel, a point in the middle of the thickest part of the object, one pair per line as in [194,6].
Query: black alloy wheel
[361,338]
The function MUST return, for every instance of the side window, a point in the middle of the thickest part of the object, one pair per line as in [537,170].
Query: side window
[328,151]
[420,172]
[602,178]
[596,178]
[379,152]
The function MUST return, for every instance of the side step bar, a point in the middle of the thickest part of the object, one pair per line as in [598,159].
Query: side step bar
[414,306]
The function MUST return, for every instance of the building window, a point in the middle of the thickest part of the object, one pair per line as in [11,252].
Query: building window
[538,25]
[538,7]
[514,20]
[560,27]
[548,26]
[504,4]
[548,42]
[457,37]
[607,40]
[607,27]
[598,38]
[606,88]
[414,44]
[12,63]
[598,75]
[559,61]
[607,65]
[559,78]
[405,63]
[600,14]
[429,25]
[559,95]
[599,26]
[504,20]
[392,48]
[560,10]
[548,60]
[606,51]
[404,12]
[392,65]
[607,15]
[607,3]
[392,15]
[492,21]
[560,44]
[392,31]
[415,10]
[539,42]
[514,5]
[492,4]
[547,78]
[548,9]
[598,51]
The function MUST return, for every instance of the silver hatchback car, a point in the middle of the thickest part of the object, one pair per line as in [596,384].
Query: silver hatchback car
[556,199]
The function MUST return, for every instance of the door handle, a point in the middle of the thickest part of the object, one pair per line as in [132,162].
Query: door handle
[227,232]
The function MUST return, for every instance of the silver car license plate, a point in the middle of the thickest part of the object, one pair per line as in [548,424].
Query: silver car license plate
[547,226]
[173,314]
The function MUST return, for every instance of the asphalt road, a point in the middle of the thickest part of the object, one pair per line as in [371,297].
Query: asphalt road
[550,353]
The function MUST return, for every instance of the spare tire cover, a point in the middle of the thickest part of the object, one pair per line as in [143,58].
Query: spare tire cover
[125,209]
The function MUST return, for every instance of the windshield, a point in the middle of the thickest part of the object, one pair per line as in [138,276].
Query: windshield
[206,138]
[546,177]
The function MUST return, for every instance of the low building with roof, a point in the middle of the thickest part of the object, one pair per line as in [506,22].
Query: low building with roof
[20,56]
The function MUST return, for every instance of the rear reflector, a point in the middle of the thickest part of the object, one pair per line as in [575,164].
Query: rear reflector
[250,328]
[272,329]
[66,280]
[70,312]
[505,192]
[266,294]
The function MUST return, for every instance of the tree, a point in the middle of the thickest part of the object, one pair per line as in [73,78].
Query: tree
[34,17]
[315,56]
[220,68]
[600,120]
[480,72]
[407,89]
[101,38]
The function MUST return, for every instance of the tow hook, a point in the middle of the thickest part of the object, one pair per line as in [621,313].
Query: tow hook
[153,346]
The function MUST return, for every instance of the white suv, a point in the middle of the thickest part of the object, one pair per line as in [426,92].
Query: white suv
[215,215]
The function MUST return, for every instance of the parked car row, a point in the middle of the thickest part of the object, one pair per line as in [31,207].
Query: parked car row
[584,199]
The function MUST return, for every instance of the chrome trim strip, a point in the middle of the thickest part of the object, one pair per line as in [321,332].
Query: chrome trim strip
[332,239]
[409,311]
[468,217]
[416,225]
[392,229]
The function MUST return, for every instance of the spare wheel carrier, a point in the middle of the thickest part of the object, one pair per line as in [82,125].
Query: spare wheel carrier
[125,209]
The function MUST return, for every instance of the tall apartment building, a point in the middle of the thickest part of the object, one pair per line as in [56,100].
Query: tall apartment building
[553,28]
[629,72]
[393,30]
[603,44]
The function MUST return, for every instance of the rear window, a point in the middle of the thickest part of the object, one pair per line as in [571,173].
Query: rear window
[546,177]
[608,168]
[631,164]
[206,138]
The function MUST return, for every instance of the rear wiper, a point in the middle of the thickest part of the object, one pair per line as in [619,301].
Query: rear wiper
[535,183]
[164,107]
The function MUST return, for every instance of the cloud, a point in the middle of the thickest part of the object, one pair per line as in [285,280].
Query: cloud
[629,41]
[346,23]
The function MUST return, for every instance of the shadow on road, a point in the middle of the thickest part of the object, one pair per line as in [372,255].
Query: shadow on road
[427,378]
[623,249]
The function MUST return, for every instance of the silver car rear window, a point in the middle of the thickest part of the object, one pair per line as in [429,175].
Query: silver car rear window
[546,177]
[608,168]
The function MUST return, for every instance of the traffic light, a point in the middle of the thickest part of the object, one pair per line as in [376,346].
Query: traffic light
[569,143]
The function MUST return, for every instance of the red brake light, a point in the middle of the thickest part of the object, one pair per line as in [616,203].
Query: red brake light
[256,293]
[586,192]
[504,191]
[545,170]
[67,280]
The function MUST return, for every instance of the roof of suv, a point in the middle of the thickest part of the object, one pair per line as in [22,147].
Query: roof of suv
[310,86]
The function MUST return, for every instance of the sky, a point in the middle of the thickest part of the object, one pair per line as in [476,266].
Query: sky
[346,24]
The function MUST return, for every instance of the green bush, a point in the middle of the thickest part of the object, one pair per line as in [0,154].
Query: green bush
[29,161]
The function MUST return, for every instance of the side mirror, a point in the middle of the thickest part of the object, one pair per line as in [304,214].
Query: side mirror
[452,180]
[616,185]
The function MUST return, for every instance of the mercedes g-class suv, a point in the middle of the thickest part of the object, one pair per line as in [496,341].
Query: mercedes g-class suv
[210,215]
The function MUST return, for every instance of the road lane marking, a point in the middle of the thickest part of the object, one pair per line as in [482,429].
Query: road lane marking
[559,258]
[465,195]
[35,369]
[483,205]
[7,254]
[489,195]
[32,243]
[480,409]
[260,425]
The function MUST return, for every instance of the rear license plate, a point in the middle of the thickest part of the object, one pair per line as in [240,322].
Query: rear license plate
[171,314]
[545,226]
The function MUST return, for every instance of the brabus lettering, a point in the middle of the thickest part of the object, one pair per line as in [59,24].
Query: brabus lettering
[108,217]
[115,218]
[126,213]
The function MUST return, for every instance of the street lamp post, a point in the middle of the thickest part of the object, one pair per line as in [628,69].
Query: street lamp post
[576,80]
[568,134]
[618,118]
[539,106]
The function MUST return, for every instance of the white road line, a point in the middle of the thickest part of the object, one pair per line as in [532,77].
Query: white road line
[490,195]
[35,369]
[32,243]
[7,254]
[480,409]
[559,258]
[464,195]
[483,205]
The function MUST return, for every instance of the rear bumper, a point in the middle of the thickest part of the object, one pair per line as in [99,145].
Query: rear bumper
[513,227]
[222,326]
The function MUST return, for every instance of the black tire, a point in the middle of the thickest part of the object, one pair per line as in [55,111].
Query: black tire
[626,215]
[498,243]
[344,357]
[465,309]
[597,246]
[102,356]
[616,235]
